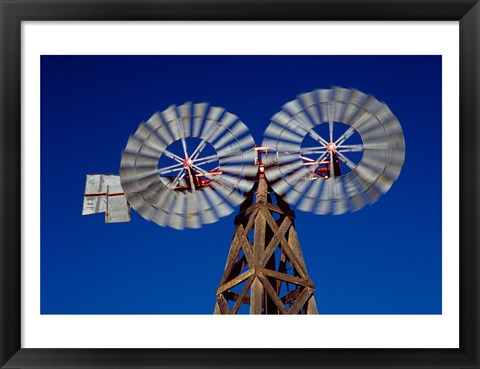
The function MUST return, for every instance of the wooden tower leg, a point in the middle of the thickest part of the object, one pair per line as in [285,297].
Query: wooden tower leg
[265,270]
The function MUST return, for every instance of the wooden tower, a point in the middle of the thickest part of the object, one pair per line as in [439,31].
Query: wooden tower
[265,269]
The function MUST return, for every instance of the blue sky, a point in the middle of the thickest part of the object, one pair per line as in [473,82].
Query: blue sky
[383,259]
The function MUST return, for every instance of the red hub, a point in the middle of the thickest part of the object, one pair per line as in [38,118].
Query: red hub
[187,163]
[331,146]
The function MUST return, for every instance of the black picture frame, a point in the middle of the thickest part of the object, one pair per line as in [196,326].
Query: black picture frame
[12,13]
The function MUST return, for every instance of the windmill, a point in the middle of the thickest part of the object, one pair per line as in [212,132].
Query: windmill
[329,151]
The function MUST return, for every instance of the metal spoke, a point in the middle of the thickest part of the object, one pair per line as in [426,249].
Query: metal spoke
[317,137]
[207,159]
[182,136]
[347,161]
[332,164]
[177,179]
[172,156]
[318,162]
[170,169]
[350,148]
[345,136]
[202,144]
[312,150]
[192,184]
[330,121]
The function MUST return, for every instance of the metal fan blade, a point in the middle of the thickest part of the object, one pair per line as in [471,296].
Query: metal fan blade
[280,145]
[240,170]
[171,119]
[146,210]
[224,123]
[274,173]
[160,217]
[243,157]
[184,112]
[232,182]
[341,97]
[293,107]
[193,221]
[283,185]
[246,142]
[353,191]
[157,195]
[353,106]
[296,192]
[234,133]
[288,158]
[339,205]
[207,213]
[155,130]
[309,102]
[135,184]
[280,132]
[282,118]
[130,175]
[221,208]
[176,221]
[150,139]
[309,199]
[233,197]
[199,113]
[365,173]
[325,200]
[130,160]
[383,183]
[376,161]
[214,113]
[135,146]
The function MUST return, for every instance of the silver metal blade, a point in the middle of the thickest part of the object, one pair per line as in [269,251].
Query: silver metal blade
[135,184]
[240,145]
[288,158]
[151,139]
[226,121]
[233,133]
[296,192]
[219,205]
[199,113]
[293,107]
[155,129]
[240,170]
[281,145]
[243,157]
[171,119]
[310,198]
[281,118]
[184,112]
[339,204]
[207,214]
[130,160]
[135,145]
[309,102]
[231,195]
[160,217]
[129,175]
[282,133]
[286,169]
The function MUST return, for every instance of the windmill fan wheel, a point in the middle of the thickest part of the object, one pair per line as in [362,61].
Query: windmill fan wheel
[332,151]
[188,165]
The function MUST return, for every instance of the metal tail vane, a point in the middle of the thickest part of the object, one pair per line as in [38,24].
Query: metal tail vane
[329,151]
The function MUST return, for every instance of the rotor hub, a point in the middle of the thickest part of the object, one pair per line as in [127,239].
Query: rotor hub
[331,146]
[187,163]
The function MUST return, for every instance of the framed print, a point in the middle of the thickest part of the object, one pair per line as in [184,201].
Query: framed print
[384,111]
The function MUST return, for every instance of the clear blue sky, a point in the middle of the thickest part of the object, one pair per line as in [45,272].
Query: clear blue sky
[383,259]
